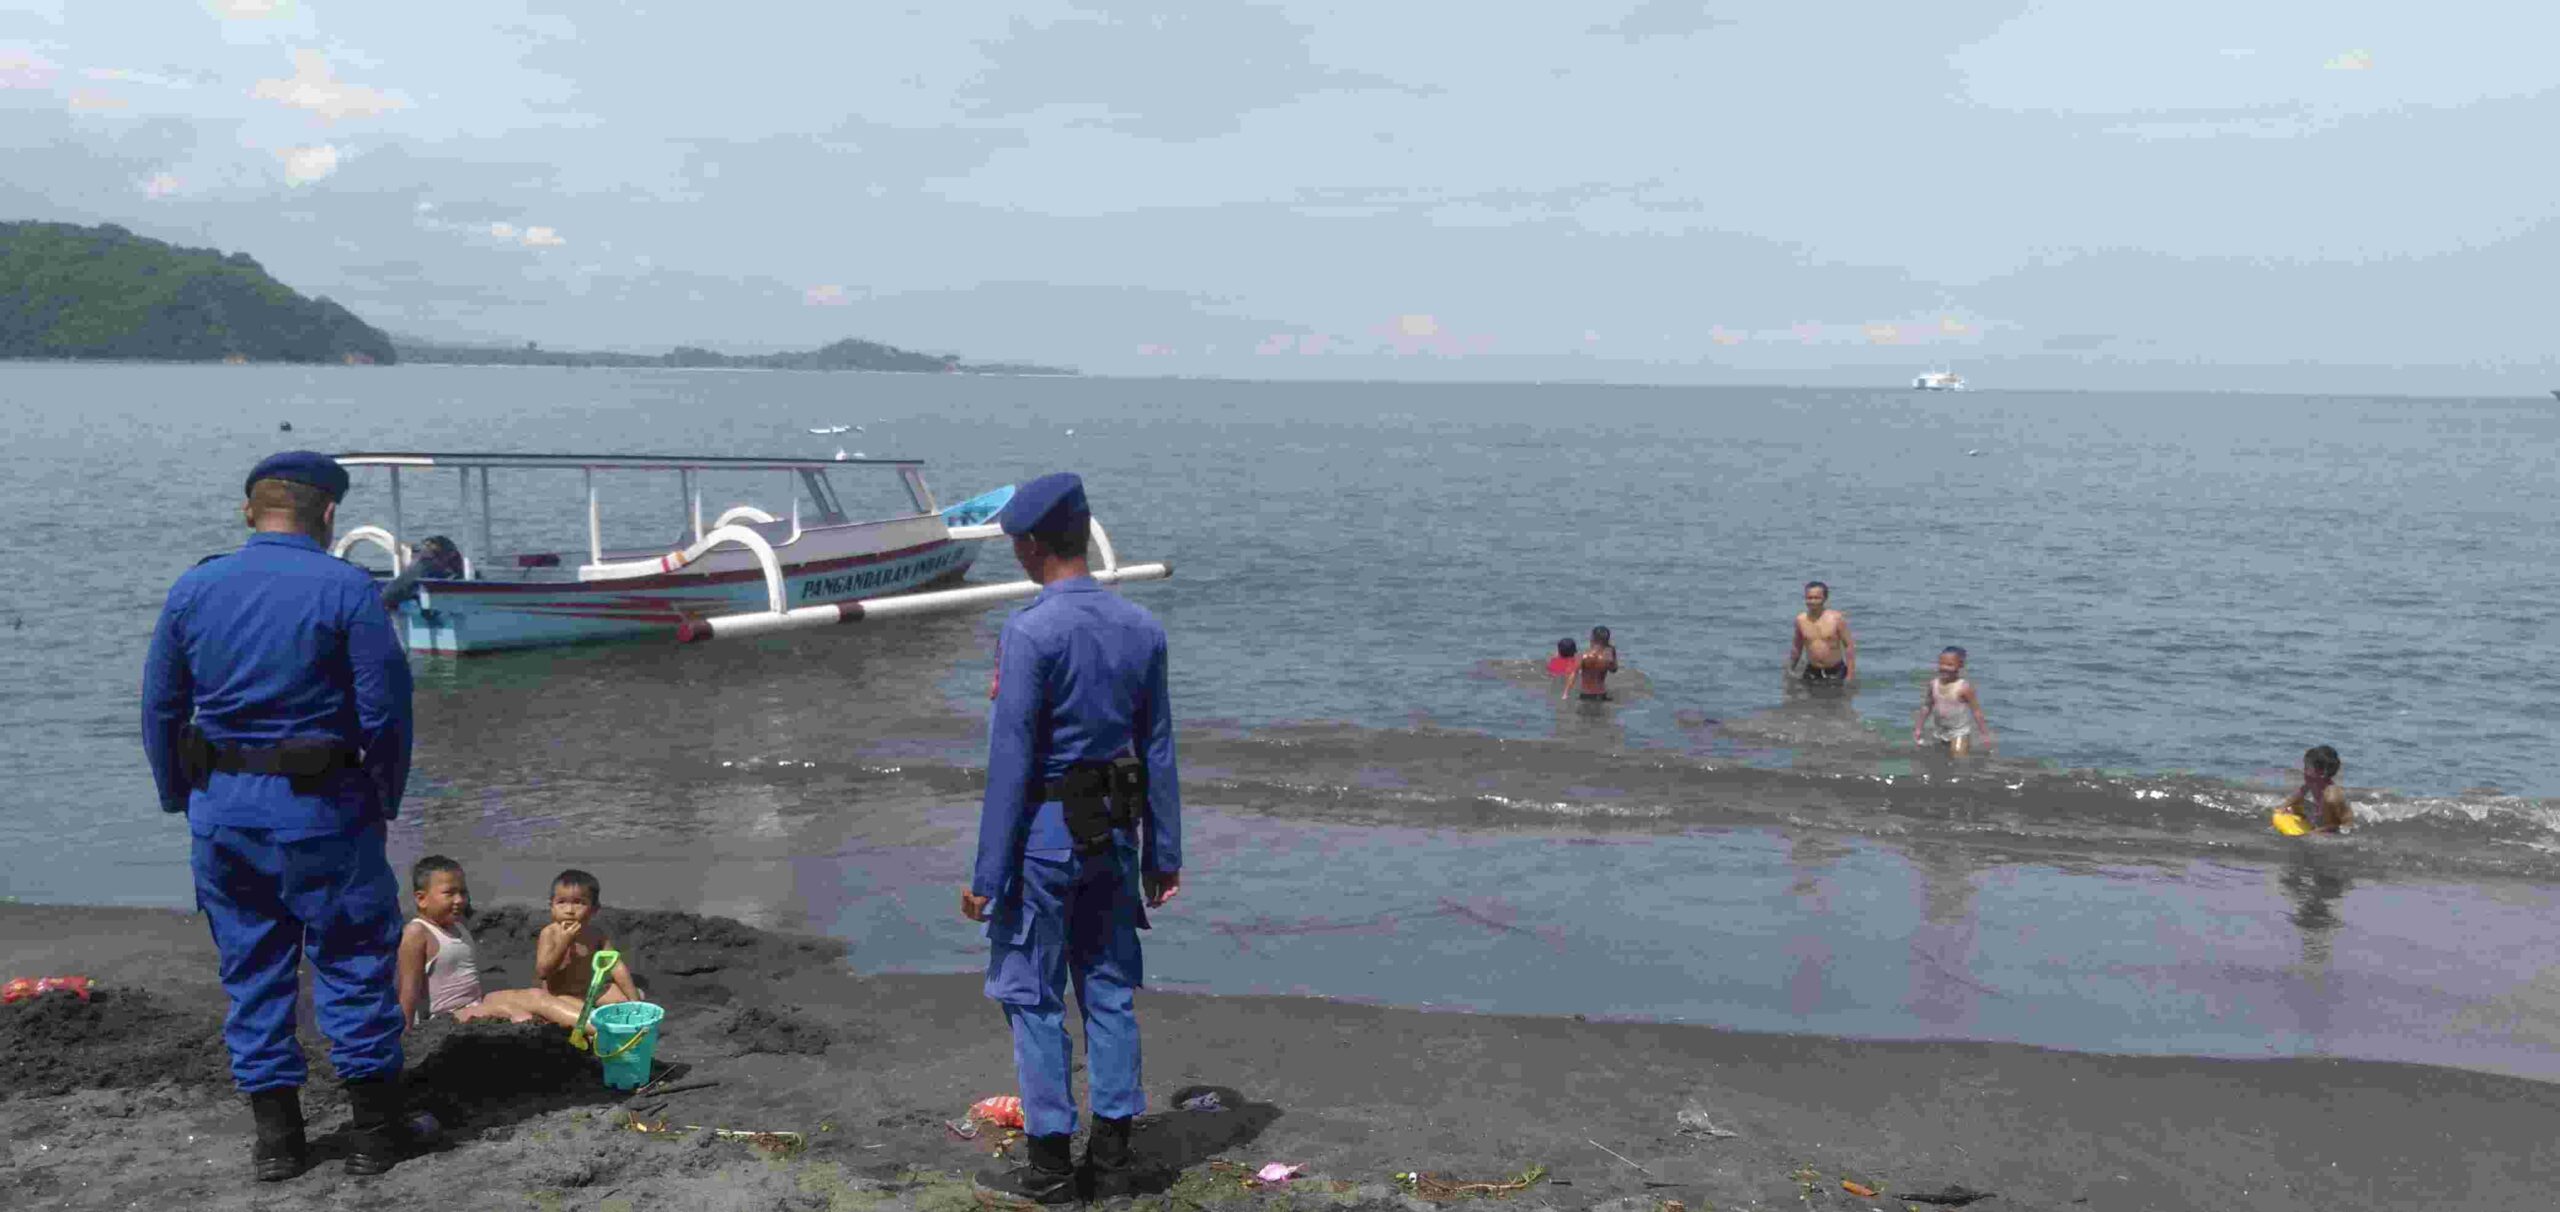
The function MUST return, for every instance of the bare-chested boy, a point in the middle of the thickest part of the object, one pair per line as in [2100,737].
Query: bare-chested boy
[1822,637]
[2322,803]
[1593,668]
[563,952]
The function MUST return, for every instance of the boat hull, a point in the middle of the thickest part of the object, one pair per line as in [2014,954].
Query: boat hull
[462,618]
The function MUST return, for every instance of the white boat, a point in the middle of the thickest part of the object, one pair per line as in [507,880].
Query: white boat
[746,571]
[1939,380]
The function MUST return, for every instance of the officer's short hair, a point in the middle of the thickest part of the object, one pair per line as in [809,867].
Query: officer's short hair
[583,882]
[426,868]
[303,502]
[1068,544]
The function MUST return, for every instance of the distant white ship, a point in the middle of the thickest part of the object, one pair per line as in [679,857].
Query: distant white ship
[1939,380]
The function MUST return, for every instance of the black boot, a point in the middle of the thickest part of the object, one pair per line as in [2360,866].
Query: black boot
[1046,1178]
[375,1124]
[1110,1171]
[277,1154]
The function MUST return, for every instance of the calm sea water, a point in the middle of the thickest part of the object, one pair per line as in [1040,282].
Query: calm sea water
[2166,598]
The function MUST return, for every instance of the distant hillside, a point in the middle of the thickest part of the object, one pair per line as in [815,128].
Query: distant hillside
[68,291]
[847,354]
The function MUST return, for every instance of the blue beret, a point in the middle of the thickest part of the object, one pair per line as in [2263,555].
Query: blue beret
[302,467]
[1053,502]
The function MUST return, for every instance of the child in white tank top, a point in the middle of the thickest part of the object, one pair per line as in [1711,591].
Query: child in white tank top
[1950,709]
[439,967]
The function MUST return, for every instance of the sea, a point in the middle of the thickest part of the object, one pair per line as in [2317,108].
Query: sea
[2166,598]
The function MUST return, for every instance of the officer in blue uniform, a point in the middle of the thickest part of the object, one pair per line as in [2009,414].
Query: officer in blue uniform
[275,712]
[1080,774]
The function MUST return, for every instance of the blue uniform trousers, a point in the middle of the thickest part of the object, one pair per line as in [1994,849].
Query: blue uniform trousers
[1078,918]
[273,901]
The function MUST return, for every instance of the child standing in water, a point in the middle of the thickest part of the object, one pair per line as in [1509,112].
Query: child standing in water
[2322,803]
[1597,663]
[1950,709]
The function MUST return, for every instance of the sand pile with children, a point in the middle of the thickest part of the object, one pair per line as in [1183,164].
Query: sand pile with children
[127,1101]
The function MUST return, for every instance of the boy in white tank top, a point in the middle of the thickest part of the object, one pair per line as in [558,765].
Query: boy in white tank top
[439,967]
[1950,710]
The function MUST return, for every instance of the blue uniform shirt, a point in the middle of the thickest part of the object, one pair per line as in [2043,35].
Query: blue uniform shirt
[1080,676]
[278,640]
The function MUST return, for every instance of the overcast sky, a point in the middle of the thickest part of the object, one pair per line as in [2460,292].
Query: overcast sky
[2315,195]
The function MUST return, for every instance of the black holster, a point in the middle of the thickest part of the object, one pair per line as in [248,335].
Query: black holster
[1100,797]
[195,756]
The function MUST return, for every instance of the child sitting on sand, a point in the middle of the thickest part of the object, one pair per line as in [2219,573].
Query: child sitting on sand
[1950,709]
[2321,802]
[438,971]
[564,953]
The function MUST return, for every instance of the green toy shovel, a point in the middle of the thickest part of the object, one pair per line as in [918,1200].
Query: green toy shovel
[604,962]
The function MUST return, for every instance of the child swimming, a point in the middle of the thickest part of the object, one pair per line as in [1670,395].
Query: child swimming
[1562,664]
[1950,708]
[2322,803]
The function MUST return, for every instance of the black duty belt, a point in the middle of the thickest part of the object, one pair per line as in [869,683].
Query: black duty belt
[310,757]
[301,761]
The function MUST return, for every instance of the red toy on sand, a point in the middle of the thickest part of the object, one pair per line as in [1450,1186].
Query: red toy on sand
[1004,1111]
[27,988]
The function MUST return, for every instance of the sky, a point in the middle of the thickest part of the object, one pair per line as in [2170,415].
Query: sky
[2319,196]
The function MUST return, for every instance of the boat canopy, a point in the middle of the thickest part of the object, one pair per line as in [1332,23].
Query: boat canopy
[604,462]
[811,473]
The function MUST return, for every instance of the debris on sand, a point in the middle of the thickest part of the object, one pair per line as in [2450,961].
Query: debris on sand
[1694,1122]
[769,1142]
[1435,1188]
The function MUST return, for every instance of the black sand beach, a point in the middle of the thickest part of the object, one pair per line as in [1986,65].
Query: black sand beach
[127,1102]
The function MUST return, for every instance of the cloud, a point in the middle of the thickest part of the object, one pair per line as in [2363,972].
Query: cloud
[1152,350]
[304,165]
[830,295]
[162,185]
[249,10]
[1664,18]
[1416,333]
[530,237]
[22,68]
[2351,61]
[126,75]
[313,87]
[94,101]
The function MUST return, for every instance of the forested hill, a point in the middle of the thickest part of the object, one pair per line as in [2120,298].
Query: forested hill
[68,291]
[848,354]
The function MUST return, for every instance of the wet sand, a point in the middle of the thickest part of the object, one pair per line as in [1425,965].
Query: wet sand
[127,1102]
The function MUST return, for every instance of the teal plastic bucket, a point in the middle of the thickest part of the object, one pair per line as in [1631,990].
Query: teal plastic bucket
[626,1037]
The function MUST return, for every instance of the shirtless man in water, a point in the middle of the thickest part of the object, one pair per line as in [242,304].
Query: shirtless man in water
[1594,667]
[1822,638]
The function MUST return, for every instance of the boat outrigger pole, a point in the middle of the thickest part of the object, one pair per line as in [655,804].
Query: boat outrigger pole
[972,597]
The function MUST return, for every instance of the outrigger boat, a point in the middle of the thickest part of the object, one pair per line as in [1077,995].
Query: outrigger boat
[746,572]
